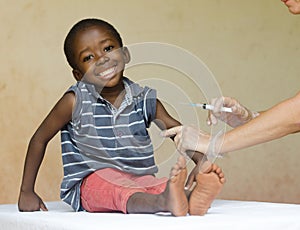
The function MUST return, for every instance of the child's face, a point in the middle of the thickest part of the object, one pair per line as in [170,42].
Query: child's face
[98,57]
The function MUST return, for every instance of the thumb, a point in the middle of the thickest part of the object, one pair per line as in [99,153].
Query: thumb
[171,132]
[211,119]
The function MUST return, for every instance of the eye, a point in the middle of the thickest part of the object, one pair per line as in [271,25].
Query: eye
[87,58]
[108,48]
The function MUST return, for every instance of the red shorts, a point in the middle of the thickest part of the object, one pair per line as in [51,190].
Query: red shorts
[108,190]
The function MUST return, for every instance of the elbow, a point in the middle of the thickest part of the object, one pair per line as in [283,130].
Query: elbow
[37,140]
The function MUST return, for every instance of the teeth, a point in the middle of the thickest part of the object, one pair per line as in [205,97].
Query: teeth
[107,72]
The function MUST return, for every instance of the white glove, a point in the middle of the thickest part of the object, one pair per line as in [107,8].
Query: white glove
[240,114]
[188,138]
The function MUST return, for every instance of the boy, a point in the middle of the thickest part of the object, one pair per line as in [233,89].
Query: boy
[107,152]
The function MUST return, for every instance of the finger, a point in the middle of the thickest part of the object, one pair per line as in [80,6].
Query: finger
[218,105]
[235,109]
[213,101]
[172,131]
[215,113]
[208,119]
[177,142]
[208,122]
[229,102]
[213,120]
[43,207]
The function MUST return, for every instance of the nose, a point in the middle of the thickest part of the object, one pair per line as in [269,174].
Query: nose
[102,60]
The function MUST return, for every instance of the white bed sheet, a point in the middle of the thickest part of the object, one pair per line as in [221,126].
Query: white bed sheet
[223,214]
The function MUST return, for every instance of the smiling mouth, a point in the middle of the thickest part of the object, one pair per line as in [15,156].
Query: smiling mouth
[108,73]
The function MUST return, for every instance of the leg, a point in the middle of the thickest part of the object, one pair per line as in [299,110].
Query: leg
[173,199]
[208,186]
[107,190]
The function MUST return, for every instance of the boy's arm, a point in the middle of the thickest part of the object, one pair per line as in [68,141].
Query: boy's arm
[60,115]
[163,119]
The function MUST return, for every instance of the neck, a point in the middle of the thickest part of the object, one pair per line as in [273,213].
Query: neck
[113,94]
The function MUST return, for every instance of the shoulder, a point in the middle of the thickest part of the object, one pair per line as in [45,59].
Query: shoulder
[139,91]
[74,88]
[67,101]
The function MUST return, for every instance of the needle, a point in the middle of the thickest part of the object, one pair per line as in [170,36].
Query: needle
[210,107]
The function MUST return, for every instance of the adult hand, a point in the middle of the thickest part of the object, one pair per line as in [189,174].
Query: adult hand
[188,138]
[240,114]
[30,201]
[292,5]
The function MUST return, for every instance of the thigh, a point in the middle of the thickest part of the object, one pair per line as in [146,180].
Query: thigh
[152,184]
[108,190]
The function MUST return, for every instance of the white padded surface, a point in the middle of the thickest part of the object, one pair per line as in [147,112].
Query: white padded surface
[223,214]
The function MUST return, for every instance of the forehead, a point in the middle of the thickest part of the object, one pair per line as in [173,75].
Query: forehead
[92,34]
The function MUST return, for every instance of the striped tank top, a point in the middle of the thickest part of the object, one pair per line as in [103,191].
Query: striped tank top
[102,136]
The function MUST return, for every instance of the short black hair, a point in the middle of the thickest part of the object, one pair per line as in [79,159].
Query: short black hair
[83,24]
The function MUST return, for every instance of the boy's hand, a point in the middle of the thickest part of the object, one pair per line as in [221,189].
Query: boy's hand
[191,178]
[30,201]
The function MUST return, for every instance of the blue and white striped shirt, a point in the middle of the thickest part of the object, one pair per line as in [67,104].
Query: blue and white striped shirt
[102,136]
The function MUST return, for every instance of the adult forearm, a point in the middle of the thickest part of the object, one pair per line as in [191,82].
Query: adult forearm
[279,121]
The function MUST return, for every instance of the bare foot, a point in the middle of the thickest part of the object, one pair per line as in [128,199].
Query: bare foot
[208,186]
[176,200]
[173,199]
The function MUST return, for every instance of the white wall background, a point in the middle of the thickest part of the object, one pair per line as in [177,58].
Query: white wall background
[251,47]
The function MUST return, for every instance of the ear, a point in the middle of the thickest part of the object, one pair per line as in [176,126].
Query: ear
[77,74]
[126,55]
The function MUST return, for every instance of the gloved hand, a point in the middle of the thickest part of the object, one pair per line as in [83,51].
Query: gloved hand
[188,138]
[240,114]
